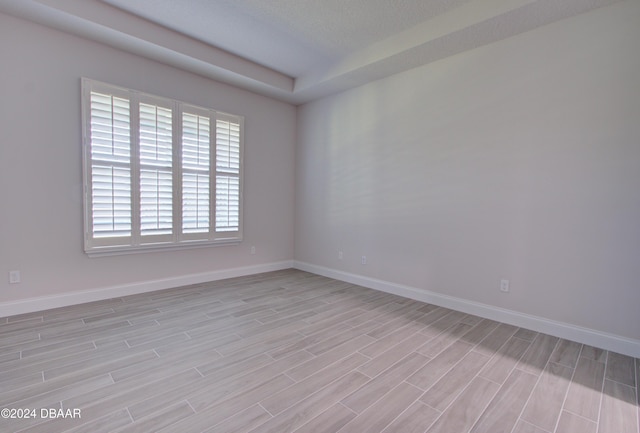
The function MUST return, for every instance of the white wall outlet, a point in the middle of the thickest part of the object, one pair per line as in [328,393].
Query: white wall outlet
[340,255]
[364,260]
[253,250]
[504,286]
[14,277]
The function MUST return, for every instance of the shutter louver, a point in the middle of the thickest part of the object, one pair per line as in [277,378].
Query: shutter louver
[227,176]
[196,155]
[156,179]
[110,149]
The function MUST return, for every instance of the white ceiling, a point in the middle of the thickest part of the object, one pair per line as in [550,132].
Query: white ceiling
[297,50]
[289,36]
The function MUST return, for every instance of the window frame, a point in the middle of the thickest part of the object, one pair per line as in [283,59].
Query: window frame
[135,242]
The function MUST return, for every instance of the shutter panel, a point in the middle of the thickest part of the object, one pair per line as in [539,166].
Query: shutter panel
[110,156]
[156,178]
[227,174]
[111,201]
[196,155]
[228,146]
[110,128]
[227,203]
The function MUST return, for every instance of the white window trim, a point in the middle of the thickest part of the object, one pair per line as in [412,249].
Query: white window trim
[135,243]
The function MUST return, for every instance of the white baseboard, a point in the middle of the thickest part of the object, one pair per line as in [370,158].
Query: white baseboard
[31,305]
[567,331]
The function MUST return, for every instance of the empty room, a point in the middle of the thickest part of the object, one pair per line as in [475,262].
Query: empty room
[351,216]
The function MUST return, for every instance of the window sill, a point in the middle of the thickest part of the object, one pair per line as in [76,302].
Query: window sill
[120,250]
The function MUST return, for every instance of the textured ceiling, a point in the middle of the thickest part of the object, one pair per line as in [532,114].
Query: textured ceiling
[297,50]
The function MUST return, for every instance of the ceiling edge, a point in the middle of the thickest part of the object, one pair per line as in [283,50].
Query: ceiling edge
[475,24]
[140,37]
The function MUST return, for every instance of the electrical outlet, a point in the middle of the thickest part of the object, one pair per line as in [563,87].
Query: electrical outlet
[253,250]
[340,255]
[504,286]
[364,260]
[14,277]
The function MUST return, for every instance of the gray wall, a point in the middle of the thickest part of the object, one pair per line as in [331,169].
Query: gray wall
[41,166]
[518,160]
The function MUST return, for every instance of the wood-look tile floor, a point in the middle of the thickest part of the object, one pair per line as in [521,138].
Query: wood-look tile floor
[292,351]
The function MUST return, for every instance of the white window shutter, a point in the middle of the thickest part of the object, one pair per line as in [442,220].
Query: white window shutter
[110,151]
[156,178]
[158,173]
[111,204]
[228,174]
[196,175]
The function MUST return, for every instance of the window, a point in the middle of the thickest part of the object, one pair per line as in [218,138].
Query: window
[158,173]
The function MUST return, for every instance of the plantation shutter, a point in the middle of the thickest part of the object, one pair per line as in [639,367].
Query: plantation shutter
[156,170]
[110,167]
[196,172]
[227,173]
[158,173]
